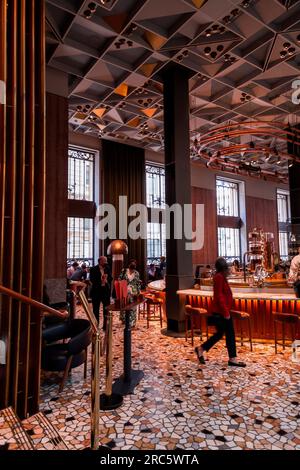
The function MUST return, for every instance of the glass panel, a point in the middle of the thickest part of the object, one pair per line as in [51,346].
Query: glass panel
[156,242]
[283,207]
[229,243]
[155,186]
[80,239]
[81,175]
[227,198]
[284,245]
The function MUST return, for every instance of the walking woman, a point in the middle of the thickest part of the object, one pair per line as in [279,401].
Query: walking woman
[131,275]
[222,304]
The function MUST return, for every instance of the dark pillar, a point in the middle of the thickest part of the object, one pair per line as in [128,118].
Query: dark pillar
[294,182]
[178,188]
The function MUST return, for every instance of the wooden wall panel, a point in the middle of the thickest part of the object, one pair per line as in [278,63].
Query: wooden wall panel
[210,250]
[22,207]
[56,187]
[262,213]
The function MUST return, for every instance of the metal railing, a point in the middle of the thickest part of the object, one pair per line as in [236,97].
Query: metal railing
[45,309]
[95,372]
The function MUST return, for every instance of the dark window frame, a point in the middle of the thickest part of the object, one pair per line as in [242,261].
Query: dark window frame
[159,204]
[229,221]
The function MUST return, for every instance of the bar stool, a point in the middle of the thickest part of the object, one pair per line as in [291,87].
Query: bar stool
[153,307]
[192,314]
[243,317]
[285,319]
[142,308]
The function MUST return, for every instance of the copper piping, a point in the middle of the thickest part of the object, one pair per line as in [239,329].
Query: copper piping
[39,186]
[239,133]
[3,77]
[20,175]
[249,123]
[5,329]
[29,198]
[234,166]
[241,149]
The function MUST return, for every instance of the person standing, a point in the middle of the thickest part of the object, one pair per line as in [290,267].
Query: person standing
[132,277]
[161,270]
[235,268]
[71,270]
[294,274]
[101,278]
[152,273]
[221,319]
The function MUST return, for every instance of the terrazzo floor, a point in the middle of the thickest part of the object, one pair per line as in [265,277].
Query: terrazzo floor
[182,405]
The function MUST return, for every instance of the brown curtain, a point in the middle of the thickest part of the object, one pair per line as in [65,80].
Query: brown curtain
[124,175]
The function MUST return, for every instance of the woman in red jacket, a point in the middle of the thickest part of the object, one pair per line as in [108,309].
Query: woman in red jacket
[222,304]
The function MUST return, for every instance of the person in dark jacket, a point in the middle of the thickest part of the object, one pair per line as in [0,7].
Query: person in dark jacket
[101,278]
[221,306]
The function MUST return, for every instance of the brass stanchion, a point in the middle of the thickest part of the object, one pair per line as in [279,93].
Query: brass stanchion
[95,385]
[109,400]
[95,394]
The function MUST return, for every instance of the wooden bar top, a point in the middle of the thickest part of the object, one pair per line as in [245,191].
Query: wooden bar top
[253,294]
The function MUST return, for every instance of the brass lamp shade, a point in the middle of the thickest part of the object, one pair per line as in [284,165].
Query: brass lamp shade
[117,247]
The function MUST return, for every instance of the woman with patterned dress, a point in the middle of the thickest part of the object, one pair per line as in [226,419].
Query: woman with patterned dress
[131,275]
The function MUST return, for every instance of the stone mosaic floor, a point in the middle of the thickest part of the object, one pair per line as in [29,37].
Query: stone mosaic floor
[180,404]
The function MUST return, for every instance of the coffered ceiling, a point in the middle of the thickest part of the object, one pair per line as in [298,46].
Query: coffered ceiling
[243,56]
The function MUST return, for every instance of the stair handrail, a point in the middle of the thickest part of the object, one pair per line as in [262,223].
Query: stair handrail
[33,303]
[95,372]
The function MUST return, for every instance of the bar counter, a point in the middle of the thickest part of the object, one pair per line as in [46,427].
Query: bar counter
[260,303]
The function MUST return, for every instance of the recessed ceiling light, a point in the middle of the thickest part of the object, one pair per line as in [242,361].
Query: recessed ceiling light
[246,3]
[87,14]
[291,51]
[92,6]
